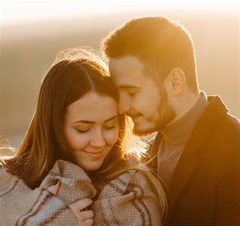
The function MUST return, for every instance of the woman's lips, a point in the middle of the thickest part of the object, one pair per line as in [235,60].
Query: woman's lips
[94,154]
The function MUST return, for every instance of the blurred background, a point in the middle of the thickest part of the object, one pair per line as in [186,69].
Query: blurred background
[33,31]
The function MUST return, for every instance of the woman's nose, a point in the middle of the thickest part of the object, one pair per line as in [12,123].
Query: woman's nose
[98,139]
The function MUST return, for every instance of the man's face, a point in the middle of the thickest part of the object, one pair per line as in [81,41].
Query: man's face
[141,98]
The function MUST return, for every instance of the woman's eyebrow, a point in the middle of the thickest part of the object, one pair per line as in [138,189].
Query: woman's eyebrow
[92,122]
[110,119]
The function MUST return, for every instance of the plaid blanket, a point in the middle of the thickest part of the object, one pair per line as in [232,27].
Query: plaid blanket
[126,200]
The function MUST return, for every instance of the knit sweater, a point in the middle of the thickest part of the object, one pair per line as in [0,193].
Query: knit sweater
[127,200]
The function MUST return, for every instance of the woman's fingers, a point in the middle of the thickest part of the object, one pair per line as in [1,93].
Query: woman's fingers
[54,188]
[86,214]
[88,222]
[80,204]
[84,217]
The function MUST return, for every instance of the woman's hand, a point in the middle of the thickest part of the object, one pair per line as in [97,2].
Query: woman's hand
[84,217]
[54,188]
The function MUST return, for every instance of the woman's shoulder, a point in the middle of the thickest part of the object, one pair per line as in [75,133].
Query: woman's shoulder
[129,194]
[136,173]
[8,181]
[4,173]
[140,178]
[132,179]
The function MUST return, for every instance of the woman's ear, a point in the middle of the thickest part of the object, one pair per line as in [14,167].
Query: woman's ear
[176,82]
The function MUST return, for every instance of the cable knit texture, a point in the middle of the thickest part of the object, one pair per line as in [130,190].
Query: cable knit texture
[126,200]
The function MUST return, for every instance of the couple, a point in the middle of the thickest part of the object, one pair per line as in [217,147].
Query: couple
[77,139]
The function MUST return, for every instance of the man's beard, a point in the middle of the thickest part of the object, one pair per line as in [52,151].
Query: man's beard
[163,116]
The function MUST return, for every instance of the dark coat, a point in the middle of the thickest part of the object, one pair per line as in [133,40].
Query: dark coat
[205,188]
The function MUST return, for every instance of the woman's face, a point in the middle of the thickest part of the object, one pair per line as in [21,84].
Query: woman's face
[91,129]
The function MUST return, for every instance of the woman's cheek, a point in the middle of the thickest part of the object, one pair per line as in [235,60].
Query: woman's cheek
[79,141]
[113,136]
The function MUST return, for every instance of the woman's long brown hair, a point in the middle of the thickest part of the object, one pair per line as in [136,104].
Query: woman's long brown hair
[44,143]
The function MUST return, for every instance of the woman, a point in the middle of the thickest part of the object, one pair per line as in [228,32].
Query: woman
[77,139]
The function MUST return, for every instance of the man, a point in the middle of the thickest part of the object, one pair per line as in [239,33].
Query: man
[197,147]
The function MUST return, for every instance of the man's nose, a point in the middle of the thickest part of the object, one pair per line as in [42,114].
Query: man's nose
[124,106]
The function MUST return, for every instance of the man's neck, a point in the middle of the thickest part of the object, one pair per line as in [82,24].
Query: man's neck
[184,103]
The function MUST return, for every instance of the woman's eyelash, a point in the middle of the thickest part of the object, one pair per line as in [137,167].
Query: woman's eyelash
[105,127]
[132,94]
[110,127]
[82,131]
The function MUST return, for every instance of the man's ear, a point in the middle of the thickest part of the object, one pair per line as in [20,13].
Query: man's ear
[176,81]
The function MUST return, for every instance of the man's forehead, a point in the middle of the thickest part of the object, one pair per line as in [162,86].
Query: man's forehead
[125,59]
[126,65]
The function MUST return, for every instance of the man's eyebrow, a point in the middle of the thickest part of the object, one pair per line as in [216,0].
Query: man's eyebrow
[92,122]
[84,121]
[128,87]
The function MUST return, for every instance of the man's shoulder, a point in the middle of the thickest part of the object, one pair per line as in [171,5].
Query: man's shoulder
[217,117]
[229,126]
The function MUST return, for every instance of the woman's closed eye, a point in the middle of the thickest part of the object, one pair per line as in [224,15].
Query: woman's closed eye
[82,130]
[132,94]
[110,127]
[111,124]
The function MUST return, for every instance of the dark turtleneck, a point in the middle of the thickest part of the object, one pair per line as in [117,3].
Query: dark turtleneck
[175,136]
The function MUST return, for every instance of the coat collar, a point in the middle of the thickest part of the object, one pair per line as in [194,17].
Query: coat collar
[190,158]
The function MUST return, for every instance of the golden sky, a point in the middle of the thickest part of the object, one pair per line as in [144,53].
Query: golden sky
[19,11]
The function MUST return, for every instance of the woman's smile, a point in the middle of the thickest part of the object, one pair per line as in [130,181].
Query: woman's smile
[94,154]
